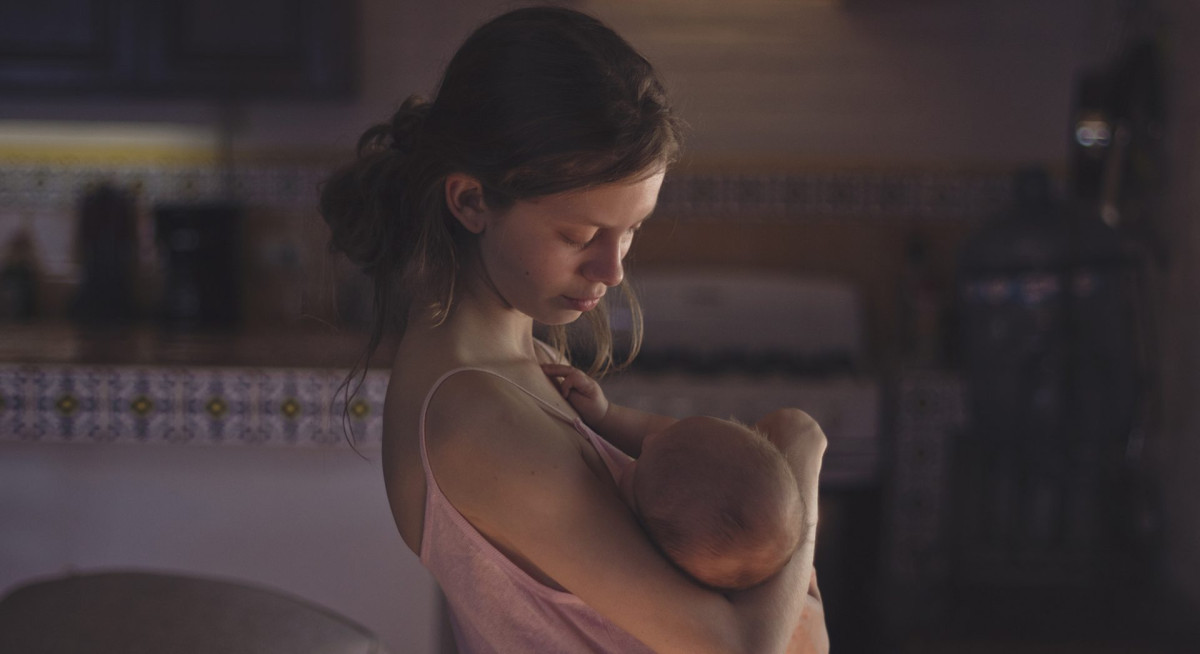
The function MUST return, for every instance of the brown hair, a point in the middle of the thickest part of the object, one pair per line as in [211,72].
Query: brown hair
[536,101]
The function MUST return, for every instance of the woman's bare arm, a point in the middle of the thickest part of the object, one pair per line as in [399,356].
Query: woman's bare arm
[510,469]
[803,444]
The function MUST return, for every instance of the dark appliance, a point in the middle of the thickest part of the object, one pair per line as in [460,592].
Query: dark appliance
[200,248]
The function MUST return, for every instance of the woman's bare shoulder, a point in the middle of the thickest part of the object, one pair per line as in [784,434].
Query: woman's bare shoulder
[481,416]
[492,448]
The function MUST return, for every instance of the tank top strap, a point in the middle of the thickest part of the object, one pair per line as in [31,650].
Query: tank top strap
[553,410]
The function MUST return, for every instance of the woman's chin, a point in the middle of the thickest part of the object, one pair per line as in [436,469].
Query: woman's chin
[560,318]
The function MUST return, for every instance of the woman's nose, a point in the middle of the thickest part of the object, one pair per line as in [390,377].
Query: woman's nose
[605,265]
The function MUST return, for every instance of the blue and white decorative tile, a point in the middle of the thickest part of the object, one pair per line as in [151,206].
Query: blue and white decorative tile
[153,402]
[15,406]
[365,409]
[280,406]
[216,406]
[93,420]
[62,408]
[131,405]
[215,402]
[305,406]
[244,389]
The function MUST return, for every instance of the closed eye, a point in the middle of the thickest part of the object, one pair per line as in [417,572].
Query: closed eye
[576,242]
[583,241]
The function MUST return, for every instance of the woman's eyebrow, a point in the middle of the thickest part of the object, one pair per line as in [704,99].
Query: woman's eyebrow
[593,223]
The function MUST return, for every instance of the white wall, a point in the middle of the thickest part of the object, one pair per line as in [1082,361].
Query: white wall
[307,521]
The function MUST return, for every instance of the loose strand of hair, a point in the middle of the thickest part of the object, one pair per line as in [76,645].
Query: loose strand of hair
[362,364]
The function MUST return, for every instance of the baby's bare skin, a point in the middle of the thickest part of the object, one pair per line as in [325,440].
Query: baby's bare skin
[796,434]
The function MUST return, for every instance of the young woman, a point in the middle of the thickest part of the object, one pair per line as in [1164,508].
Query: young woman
[509,200]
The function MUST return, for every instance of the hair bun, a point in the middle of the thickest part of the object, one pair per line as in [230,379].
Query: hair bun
[400,134]
[406,123]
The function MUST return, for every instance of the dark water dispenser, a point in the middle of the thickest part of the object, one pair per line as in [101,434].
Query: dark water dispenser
[1050,357]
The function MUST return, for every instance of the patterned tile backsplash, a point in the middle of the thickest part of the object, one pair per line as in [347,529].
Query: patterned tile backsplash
[194,406]
[275,406]
[951,194]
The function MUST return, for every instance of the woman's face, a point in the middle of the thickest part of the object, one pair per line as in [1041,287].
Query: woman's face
[553,258]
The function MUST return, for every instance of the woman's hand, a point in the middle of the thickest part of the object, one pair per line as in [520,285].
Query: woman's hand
[583,392]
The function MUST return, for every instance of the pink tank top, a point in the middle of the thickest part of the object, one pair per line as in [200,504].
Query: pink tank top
[494,605]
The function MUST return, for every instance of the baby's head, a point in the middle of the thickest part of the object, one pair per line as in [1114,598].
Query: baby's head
[719,499]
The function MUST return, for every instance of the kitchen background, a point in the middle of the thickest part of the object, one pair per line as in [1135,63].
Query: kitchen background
[861,142]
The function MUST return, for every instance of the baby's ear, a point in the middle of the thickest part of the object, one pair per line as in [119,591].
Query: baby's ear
[464,197]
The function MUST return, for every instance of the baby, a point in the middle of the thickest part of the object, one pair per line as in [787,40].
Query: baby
[717,497]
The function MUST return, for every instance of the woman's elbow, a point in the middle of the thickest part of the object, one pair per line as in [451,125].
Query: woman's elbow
[795,428]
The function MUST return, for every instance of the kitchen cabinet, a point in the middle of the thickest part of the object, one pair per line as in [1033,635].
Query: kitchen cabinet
[182,48]
[67,45]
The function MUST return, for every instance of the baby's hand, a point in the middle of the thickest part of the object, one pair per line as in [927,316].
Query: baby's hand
[583,392]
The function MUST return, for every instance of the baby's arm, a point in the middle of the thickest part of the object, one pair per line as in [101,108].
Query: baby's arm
[620,425]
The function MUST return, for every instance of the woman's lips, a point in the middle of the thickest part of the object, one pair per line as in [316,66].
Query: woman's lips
[582,304]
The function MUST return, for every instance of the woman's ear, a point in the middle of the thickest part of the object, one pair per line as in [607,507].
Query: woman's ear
[464,197]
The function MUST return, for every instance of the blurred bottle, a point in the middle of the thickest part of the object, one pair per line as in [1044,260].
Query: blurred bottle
[18,279]
[106,241]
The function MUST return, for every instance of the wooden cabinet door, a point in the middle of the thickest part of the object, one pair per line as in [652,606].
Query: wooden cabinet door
[250,48]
